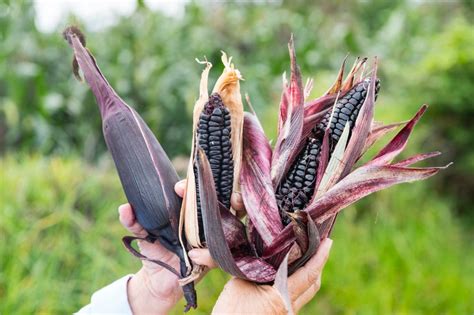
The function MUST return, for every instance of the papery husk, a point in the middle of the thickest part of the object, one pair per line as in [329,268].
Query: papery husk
[228,87]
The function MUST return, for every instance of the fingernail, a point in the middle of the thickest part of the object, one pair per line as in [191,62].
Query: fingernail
[180,183]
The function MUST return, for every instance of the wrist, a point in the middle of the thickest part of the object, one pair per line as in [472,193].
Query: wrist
[142,299]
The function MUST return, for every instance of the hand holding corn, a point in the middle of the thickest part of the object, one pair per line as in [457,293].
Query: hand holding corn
[245,297]
[155,290]
[292,191]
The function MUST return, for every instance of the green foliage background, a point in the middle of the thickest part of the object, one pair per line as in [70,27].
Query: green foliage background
[405,250]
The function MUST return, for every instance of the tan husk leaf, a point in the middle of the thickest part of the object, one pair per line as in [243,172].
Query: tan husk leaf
[228,88]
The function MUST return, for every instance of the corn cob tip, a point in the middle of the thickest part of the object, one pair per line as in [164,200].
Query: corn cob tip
[74,31]
[68,33]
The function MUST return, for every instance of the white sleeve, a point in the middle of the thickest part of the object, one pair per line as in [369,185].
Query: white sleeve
[111,299]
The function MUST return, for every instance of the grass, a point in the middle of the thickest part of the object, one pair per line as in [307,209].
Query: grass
[400,251]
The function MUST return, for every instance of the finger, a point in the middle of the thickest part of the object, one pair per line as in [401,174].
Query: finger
[180,187]
[202,257]
[307,275]
[128,220]
[304,298]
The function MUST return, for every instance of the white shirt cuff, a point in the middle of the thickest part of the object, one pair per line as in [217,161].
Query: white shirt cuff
[111,299]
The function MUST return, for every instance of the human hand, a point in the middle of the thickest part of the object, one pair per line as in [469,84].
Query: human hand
[153,289]
[241,297]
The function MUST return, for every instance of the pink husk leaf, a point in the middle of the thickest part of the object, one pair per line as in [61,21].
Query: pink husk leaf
[243,265]
[362,182]
[283,111]
[289,136]
[281,243]
[378,130]
[416,158]
[398,143]
[317,105]
[256,184]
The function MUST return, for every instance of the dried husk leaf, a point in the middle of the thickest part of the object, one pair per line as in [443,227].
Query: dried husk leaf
[188,218]
[336,87]
[350,79]
[228,88]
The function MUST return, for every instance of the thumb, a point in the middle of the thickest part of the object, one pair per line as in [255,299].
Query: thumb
[202,256]
[308,275]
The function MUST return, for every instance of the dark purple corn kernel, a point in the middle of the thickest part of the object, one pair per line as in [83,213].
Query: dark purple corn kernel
[346,110]
[213,135]
[297,189]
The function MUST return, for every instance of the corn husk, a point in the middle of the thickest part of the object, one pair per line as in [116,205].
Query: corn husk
[147,175]
[228,87]
[338,182]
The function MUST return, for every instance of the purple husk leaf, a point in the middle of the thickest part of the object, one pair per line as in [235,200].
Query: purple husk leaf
[362,182]
[283,109]
[242,264]
[398,143]
[289,136]
[256,184]
[283,242]
[378,130]
[416,158]
[153,209]
[313,244]
[317,105]
[106,97]
[234,229]
[109,103]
